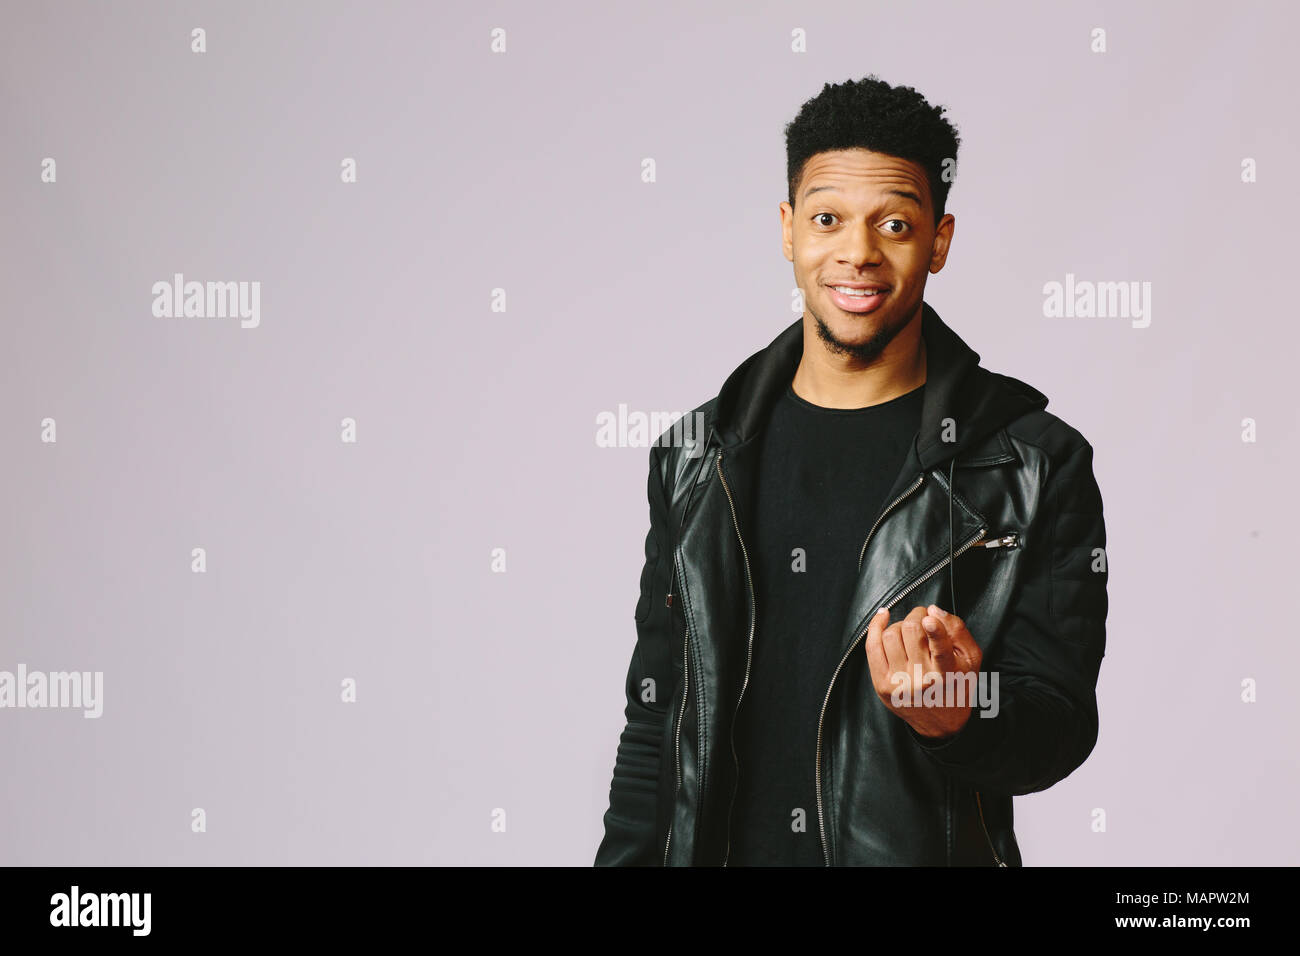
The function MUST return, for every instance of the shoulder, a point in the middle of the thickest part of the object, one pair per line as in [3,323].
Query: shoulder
[682,443]
[1043,435]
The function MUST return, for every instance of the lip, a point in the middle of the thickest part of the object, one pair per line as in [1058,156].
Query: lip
[857,285]
[858,304]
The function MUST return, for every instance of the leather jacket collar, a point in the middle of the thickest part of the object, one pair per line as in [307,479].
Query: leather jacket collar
[956,388]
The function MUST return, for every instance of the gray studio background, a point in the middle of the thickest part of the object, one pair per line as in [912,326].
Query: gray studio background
[521,171]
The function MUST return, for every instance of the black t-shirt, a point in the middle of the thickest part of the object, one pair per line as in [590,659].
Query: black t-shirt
[823,474]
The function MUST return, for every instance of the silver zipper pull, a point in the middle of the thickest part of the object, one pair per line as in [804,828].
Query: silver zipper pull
[1005,541]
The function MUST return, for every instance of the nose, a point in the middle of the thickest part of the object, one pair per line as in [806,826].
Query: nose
[861,246]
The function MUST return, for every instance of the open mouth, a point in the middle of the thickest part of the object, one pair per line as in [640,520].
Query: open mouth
[852,299]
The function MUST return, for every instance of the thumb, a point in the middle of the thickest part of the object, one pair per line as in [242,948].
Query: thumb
[943,650]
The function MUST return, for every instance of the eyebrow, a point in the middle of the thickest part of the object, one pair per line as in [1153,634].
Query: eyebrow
[903,193]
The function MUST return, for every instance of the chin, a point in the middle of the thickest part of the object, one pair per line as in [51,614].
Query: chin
[858,323]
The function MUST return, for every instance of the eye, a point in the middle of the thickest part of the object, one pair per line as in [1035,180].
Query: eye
[902,223]
[820,215]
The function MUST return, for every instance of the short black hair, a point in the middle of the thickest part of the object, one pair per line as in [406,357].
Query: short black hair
[871,114]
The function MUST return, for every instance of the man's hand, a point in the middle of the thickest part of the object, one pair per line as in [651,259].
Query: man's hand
[929,642]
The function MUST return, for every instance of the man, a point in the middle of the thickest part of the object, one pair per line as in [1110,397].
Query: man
[863,460]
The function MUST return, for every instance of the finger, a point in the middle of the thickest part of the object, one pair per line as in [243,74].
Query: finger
[916,614]
[915,642]
[951,622]
[963,658]
[942,652]
[892,639]
[876,659]
[875,648]
[914,638]
[879,621]
[965,648]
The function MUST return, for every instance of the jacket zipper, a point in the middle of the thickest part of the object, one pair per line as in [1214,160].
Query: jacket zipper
[821,824]
[748,654]
[980,807]
[677,734]
[821,827]
[916,484]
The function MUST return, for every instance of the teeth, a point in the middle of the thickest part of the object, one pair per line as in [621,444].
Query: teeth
[859,292]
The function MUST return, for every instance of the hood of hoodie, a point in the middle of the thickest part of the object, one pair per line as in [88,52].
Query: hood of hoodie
[957,387]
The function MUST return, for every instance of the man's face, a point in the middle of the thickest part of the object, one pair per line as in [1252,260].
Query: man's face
[863,218]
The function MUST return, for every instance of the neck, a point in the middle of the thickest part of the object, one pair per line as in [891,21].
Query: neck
[841,381]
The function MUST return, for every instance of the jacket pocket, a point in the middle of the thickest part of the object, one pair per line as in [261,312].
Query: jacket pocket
[971,836]
[988,833]
[984,572]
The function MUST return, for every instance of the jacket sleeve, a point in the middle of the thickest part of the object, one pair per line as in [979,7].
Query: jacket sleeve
[631,830]
[1048,654]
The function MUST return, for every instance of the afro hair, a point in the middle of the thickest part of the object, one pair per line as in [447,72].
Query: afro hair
[871,114]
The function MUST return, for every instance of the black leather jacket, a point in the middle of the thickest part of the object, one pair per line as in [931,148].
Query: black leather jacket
[1018,531]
